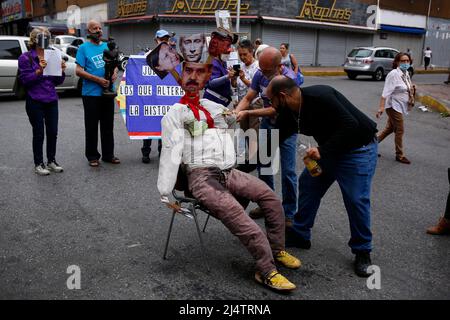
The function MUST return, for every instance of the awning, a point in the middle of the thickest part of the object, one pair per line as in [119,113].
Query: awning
[410,30]
[316,24]
[137,19]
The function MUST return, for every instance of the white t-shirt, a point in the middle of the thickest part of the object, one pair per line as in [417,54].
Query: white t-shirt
[427,53]
[396,91]
[249,72]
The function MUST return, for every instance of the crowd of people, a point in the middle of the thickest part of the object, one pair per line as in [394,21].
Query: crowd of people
[270,97]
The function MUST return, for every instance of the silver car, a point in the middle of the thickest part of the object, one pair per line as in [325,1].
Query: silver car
[11,47]
[373,61]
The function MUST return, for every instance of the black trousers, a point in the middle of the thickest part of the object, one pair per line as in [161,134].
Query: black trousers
[99,110]
[43,117]
[147,147]
[447,207]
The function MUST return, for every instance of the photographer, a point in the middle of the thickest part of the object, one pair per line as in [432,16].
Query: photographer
[97,108]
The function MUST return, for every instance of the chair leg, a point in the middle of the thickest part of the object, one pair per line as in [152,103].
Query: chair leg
[168,235]
[194,213]
[206,222]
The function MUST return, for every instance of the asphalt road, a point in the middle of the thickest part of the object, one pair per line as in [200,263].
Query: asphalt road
[109,221]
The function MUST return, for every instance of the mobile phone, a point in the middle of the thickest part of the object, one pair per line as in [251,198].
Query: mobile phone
[237,67]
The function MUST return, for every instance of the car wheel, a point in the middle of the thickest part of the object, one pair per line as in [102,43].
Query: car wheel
[378,75]
[123,64]
[351,75]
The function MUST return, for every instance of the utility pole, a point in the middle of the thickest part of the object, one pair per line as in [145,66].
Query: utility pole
[238,18]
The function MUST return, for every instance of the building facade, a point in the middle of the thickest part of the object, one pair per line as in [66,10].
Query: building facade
[320,32]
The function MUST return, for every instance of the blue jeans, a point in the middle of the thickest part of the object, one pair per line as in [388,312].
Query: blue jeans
[288,165]
[43,115]
[353,172]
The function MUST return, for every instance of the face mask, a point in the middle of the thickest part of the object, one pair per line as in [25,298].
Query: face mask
[43,41]
[95,36]
[404,66]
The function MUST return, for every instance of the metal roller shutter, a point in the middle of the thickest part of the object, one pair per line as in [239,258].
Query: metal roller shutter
[332,49]
[357,40]
[301,41]
[129,37]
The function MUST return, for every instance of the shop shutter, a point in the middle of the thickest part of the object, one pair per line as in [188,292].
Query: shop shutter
[332,49]
[357,40]
[301,41]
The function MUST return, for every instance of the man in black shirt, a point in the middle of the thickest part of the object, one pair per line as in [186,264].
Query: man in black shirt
[347,153]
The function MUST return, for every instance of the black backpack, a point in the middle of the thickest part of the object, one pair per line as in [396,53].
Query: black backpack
[19,89]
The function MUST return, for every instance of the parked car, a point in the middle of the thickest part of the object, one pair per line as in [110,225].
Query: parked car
[62,42]
[72,48]
[373,61]
[11,47]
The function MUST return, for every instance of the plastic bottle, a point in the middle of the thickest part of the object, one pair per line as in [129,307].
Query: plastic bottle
[311,165]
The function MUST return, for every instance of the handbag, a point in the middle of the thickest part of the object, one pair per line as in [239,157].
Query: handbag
[19,89]
[299,78]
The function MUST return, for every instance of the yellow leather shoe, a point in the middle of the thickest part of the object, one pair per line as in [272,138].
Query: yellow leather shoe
[275,281]
[288,260]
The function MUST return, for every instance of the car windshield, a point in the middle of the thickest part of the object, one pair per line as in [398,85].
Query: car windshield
[360,53]
[66,40]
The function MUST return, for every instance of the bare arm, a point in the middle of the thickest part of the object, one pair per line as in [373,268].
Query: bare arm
[294,63]
[86,75]
[245,102]
[381,107]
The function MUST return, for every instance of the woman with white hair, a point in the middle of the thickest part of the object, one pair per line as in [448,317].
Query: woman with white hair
[41,100]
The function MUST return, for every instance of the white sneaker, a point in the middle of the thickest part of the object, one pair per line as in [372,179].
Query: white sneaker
[41,170]
[54,166]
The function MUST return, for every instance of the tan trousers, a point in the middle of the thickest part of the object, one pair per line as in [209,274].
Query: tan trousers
[394,124]
[219,192]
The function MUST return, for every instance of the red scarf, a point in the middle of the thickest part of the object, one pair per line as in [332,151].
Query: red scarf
[192,100]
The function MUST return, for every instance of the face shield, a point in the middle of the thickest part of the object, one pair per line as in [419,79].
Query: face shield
[43,40]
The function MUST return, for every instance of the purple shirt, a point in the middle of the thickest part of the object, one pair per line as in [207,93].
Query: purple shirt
[219,84]
[260,83]
[39,87]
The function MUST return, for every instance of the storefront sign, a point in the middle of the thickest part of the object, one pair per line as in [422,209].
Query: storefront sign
[11,10]
[207,6]
[130,9]
[313,10]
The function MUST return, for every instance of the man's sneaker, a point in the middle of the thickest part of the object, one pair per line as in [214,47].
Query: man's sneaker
[54,166]
[288,260]
[294,240]
[275,281]
[256,213]
[41,170]
[362,262]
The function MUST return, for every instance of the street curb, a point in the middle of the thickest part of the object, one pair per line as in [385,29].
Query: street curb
[433,103]
[343,73]
[324,73]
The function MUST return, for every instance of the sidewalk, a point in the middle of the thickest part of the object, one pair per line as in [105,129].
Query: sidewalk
[339,71]
[434,96]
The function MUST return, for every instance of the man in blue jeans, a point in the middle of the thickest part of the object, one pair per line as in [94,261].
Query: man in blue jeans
[269,67]
[347,153]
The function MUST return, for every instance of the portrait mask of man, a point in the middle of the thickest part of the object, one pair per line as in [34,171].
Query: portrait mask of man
[195,76]
[192,47]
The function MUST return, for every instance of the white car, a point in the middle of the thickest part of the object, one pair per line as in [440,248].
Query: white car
[11,47]
[62,42]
